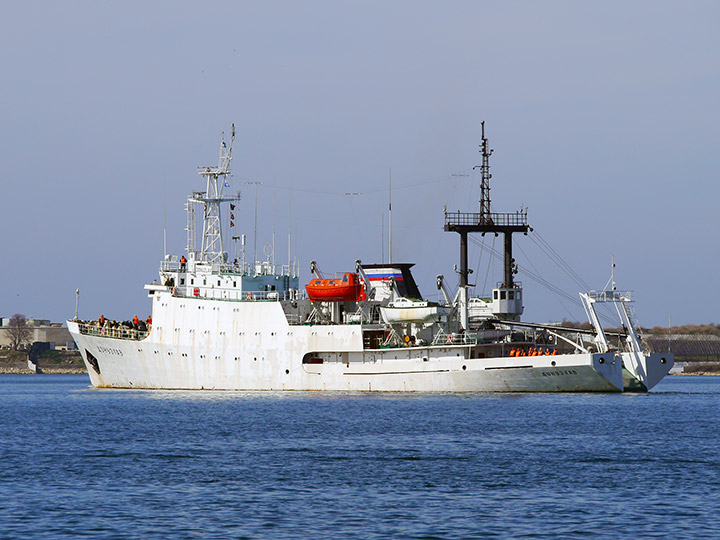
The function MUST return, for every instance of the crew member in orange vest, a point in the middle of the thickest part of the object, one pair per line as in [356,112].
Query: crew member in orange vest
[183,262]
[136,320]
[149,319]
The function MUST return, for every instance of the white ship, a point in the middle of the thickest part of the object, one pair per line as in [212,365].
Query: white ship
[227,325]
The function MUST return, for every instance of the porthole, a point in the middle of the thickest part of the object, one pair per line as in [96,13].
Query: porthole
[464,368]
[602,361]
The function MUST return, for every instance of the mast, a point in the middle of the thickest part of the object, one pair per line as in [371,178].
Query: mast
[211,250]
[390,220]
[483,222]
[290,229]
[164,219]
[273,234]
[485,175]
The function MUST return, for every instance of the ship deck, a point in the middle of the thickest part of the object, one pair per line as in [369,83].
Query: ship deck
[117,332]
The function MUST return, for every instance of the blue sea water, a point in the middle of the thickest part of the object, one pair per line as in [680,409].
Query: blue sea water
[77,462]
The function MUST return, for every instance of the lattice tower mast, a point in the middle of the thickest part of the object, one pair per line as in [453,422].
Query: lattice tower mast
[212,246]
[485,175]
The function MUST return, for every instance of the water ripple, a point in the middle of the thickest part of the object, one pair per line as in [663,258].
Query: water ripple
[79,463]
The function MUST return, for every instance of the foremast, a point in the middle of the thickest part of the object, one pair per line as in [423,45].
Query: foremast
[207,272]
[211,250]
[508,301]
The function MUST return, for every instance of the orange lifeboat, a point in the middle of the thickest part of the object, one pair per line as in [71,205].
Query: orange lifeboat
[345,289]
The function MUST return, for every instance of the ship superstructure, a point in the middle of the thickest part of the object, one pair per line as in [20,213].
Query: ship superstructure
[228,324]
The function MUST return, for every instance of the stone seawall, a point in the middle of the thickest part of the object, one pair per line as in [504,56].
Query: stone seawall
[21,368]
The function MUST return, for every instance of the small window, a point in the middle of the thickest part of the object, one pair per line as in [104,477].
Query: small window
[204,281]
[182,281]
[511,295]
[218,282]
[192,281]
[517,295]
[234,283]
[345,277]
[503,295]
[495,295]
[331,282]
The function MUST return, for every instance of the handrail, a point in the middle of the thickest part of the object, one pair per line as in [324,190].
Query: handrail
[119,332]
[239,269]
[467,338]
[479,218]
[231,295]
[609,296]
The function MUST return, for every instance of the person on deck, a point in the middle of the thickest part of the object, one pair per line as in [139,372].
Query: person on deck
[183,262]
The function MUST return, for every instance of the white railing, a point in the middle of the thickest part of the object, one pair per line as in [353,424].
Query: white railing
[239,268]
[119,332]
[610,296]
[468,338]
[234,295]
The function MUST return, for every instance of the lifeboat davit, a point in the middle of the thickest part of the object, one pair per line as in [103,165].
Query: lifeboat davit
[345,289]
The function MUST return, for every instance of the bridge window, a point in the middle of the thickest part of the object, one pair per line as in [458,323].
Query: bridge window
[495,295]
[511,295]
[503,295]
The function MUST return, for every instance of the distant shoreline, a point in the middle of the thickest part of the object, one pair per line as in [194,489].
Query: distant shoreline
[16,367]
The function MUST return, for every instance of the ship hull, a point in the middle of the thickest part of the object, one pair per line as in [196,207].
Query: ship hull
[641,372]
[199,344]
[120,365]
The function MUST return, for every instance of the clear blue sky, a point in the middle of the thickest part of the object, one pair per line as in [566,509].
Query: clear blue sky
[604,117]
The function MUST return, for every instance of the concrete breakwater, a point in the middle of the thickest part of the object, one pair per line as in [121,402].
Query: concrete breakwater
[48,362]
[21,368]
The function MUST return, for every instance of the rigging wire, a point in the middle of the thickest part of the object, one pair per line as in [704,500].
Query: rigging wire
[545,283]
[557,297]
[477,272]
[455,178]
[407,185]
[532,275]
[554,256]
[487,272]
